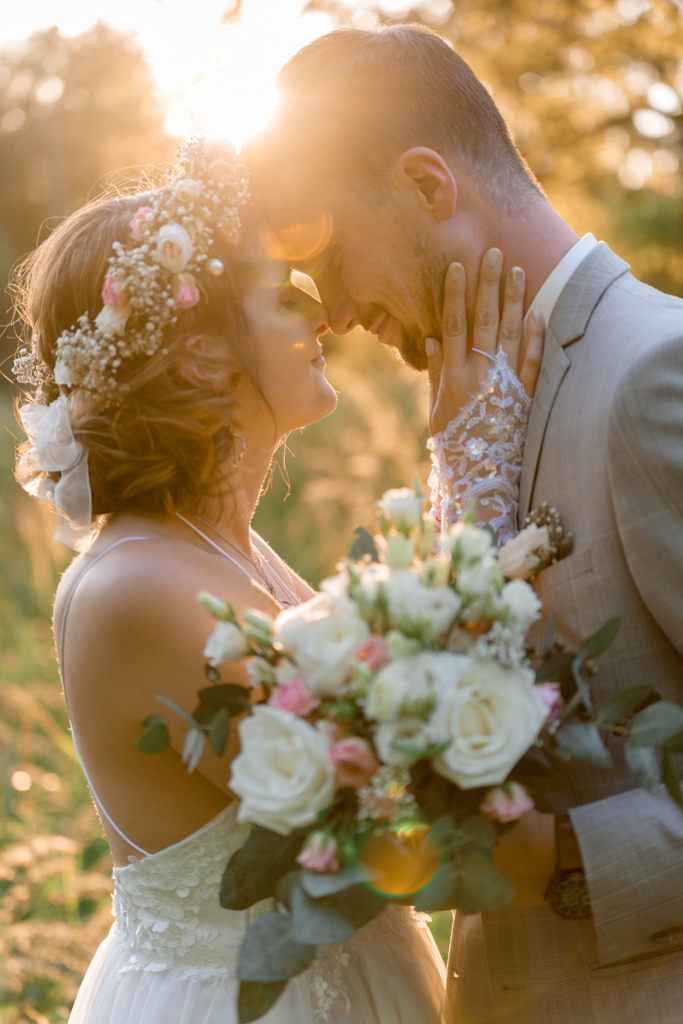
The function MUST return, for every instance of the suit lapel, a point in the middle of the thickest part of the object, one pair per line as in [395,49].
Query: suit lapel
[568,323]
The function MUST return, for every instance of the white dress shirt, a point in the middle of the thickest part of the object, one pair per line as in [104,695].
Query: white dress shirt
[553,286]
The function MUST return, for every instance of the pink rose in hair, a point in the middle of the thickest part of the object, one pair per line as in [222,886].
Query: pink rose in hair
[354,761]
[506,803]
[112,291]
[295,697]
[373,652]
[319,853]
[222,170]
[141,223]
[552,698]
[185,291]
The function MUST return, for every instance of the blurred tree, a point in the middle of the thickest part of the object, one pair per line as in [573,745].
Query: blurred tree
[72,111]
[592,92]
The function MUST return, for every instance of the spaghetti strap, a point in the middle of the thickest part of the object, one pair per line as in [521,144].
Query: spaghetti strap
[60,655]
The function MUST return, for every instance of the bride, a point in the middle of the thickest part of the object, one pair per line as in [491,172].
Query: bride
[156,415]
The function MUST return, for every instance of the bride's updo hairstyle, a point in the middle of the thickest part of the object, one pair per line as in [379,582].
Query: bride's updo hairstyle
[163,445]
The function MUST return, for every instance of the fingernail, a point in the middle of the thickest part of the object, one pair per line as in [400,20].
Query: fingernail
[537,316]
[455,272]
[492,257]
[516,275]
[429,347]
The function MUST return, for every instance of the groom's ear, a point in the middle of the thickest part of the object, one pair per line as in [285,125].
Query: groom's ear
[425,176]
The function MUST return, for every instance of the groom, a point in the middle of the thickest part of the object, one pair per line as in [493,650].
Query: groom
[388,160]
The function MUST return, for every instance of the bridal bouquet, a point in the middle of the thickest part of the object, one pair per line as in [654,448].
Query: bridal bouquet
[392,719]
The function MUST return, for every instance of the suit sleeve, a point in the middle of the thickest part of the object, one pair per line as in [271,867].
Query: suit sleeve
[632,843]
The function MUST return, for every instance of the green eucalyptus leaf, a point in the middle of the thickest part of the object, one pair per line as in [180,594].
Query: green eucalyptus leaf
[555,668]
[548,638]
[270,952]
[318,922]
[211,673]
[226,695]
[582,687]
[671,778]
[362,544]
[178,710]
[622,704]
[155,737]
[480,886]
[317,884]
[254,871]
[656,724]
[438,891]
[478,830]
[643,765]
[600,641]
[675,744]
[574,739]
[256,998]
[218,733]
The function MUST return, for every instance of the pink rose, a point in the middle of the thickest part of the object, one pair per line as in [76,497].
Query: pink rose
[552,698]
[222,170]
[373,652]
[141,223]
[185,291]
[319,853]
[354,761]
[506,803]
[295,697]
[112,291]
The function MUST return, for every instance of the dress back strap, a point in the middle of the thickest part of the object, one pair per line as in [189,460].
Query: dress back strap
[60,655]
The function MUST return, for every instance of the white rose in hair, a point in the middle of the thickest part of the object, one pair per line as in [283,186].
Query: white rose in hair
[174,247]
[402,507]
[519,556]
[492,715]
[415,607]
[283,774]
[226,643]
[112,319]
[520,603]
[322,638]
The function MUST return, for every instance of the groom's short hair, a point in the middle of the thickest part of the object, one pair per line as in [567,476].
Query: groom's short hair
[353,100]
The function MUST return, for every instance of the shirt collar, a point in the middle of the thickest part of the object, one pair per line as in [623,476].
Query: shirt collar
[554,284]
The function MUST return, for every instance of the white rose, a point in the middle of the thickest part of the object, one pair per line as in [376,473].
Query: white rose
[226,643]
[322,638]
[492,716]
[402,507]
[174,247]
[519,556]
[416,608]
[476,581]
[372,579]
[412,731]
[402,686]
[113,319]
[520,603]
[283,774]
[468,543]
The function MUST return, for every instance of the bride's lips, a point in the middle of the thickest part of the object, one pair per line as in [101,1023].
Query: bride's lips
[319,362]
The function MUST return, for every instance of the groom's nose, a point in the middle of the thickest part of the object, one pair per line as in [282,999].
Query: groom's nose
[343,312]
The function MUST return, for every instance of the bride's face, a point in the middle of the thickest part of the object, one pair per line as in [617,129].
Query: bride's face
[286,325]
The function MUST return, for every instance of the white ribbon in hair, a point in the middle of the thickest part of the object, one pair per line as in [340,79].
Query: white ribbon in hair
[55,450]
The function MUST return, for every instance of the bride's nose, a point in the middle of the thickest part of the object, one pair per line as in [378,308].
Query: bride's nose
[320,318]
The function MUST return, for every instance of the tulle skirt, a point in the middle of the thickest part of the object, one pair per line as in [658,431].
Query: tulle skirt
[390,973]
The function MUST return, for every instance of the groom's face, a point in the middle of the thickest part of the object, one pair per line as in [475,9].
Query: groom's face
[374,265]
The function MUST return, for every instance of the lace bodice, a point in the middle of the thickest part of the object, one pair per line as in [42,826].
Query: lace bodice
[478,457]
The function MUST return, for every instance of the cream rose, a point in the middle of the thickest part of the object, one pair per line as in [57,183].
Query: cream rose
[226,643]
[174,247]
[417,608]
[113,319]
[403,687]
[283,774]
[492,715]
[412,731]
[522,554]
[322,638]
[402,507]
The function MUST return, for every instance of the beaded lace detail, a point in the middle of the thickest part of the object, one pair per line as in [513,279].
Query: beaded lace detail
[478,457]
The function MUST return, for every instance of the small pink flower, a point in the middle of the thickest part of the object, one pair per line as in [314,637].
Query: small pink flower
[552,698]
[141,223]
[354,761]
[373,652]
[506,803]
[222,170]
[112,292]
[295,697]
[319,853]
[185,291]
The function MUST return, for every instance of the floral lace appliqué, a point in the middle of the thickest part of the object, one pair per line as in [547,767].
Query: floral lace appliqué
[478,457]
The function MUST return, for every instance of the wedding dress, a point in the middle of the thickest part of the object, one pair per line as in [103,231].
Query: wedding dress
[171,955]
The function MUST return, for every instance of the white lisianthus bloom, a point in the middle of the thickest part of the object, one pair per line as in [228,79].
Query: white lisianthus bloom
[174,247]
[322,638]
[372,579]
[402,507]
[492,715]
[226,643]
[412,731]
[113,319]
[397,550]
[417,608]
[468,543]
[520,604]
[478,580]
[519,556]
[404,686]
[283,774]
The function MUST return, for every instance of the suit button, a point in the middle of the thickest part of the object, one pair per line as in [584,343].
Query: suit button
[668,936]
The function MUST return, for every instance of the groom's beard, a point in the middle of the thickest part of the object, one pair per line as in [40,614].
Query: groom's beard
[430,301]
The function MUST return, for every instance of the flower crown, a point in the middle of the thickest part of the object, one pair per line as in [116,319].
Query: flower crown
[151,279]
